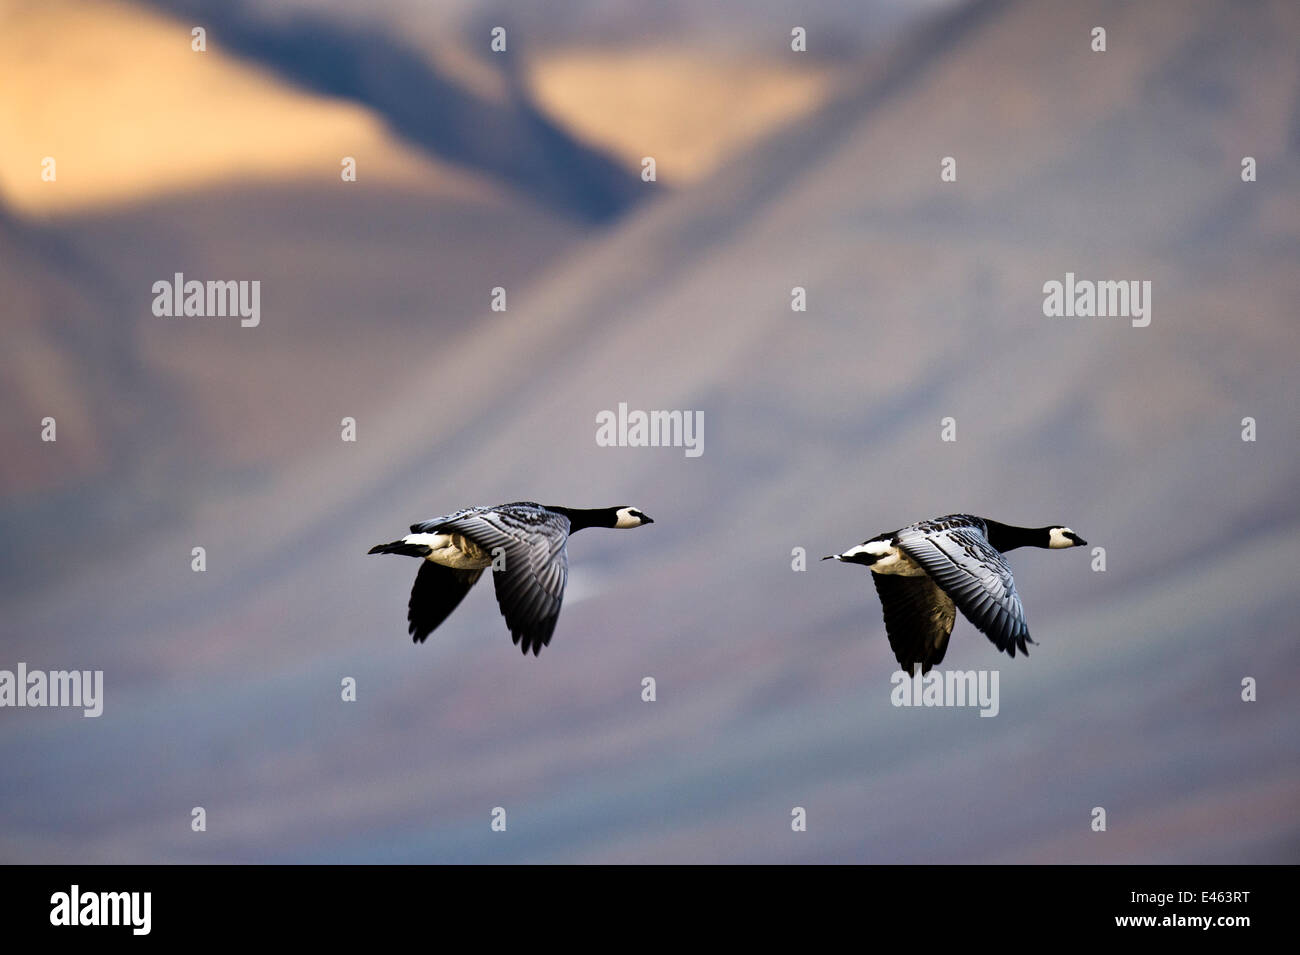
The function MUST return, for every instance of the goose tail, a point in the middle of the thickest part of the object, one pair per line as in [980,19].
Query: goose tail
[403,547]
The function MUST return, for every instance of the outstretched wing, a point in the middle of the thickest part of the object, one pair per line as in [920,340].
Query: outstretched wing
[437,524]
[530,564]
[437,592]
[918,618]
[978,578]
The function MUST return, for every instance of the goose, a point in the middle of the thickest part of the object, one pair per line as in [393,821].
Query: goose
[927,571]
[524,543]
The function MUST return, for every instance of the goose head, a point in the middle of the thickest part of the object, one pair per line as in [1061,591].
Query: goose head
[625,517]
[1058,537]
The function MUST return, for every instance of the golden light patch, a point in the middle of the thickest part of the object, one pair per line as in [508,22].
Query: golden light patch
[690,110]
[117,97]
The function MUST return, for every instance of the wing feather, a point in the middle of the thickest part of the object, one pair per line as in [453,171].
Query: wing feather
[958,557]
[532,543]
[918,618]
[437,592]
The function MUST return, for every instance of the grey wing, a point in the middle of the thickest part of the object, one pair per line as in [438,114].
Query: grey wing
[531,565]
[918,618]
[436,524]
[530,595]
[977,578]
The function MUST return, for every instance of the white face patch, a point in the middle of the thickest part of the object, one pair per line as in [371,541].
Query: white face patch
[627,518]
[1056,538]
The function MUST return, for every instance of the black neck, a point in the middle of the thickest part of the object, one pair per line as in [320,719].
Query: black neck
[580,517]
[1005,537]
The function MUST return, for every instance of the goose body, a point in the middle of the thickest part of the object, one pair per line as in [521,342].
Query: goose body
[525,544]
[925,572]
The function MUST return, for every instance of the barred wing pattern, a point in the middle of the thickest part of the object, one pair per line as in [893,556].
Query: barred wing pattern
[533,541]
[957,555]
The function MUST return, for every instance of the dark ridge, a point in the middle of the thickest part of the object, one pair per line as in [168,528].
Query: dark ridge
[513,141]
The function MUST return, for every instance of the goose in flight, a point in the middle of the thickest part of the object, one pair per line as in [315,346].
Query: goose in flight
[524,544]
[927,571]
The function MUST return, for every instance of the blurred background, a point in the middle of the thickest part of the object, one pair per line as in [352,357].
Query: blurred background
[776,169]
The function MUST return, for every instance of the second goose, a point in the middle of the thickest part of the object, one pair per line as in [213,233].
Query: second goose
[927,571]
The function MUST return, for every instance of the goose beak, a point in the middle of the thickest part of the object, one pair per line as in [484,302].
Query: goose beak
[646,520]
[831,557]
